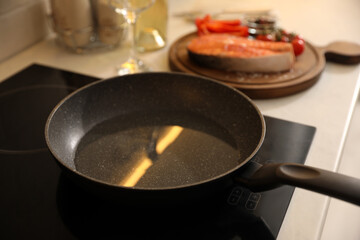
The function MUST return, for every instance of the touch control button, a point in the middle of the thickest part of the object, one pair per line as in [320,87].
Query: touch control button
[251,205]
[253,201]
[235,196]
[254,197]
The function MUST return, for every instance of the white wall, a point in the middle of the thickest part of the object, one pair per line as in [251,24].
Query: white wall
[22,23]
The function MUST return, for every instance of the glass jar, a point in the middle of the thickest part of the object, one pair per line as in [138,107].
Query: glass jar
[73,22]
[111,26]
[85,26]
[261,26]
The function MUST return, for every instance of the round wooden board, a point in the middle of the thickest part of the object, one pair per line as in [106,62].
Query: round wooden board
[304,74]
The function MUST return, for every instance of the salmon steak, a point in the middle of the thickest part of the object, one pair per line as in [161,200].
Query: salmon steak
[232,53]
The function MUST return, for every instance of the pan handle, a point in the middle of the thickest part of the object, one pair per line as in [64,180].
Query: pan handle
[273,175]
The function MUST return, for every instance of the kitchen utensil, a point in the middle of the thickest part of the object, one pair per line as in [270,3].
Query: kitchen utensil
[100,136]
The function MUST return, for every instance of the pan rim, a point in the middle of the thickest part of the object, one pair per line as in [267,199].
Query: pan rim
[152,189]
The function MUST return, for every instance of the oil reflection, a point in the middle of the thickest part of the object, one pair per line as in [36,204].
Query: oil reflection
[162,138]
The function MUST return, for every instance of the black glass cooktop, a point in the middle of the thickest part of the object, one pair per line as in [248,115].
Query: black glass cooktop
[38,202]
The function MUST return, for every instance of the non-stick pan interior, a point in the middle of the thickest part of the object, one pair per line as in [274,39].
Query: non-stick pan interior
[154,130]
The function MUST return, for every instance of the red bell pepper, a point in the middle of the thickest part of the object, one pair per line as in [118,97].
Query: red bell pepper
[207,25]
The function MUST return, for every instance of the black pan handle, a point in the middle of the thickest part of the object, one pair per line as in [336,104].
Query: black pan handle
[273,175]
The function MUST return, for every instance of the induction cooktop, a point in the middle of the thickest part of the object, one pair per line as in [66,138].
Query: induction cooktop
[39,202]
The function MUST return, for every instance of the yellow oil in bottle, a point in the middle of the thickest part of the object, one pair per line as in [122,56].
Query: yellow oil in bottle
[151,27]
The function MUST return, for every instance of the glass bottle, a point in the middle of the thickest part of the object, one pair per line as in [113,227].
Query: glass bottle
[151,27]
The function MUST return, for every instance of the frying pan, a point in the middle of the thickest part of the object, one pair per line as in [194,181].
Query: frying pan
[166,138]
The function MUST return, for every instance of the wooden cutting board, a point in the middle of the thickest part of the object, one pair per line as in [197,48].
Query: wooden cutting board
[305,73]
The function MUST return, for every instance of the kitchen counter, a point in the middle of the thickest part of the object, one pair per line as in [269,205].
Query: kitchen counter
[328,105]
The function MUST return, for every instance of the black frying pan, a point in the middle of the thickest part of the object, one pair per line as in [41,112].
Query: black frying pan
[166,138]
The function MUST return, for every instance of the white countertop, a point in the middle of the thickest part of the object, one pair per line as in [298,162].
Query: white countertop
[328,105]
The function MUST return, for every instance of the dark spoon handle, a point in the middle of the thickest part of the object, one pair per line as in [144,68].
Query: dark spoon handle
[342,52]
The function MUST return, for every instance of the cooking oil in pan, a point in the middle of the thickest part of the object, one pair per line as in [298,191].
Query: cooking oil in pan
[161,150]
